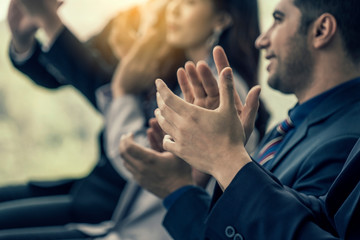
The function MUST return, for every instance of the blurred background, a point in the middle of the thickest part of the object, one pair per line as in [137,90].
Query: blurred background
[52,134]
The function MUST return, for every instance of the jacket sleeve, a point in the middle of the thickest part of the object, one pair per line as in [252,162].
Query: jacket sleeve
[256,206]
[185,220]
[68,61]
[79,66]
[320,167]
[38,72]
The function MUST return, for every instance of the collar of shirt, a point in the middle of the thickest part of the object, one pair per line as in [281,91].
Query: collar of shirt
[300,111]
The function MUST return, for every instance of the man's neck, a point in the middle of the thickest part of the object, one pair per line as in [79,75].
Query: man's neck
[327,76]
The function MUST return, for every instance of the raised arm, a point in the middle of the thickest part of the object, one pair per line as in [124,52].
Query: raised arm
[24,50]
[68,61]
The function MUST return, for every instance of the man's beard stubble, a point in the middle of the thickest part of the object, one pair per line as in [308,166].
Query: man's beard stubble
[293,73]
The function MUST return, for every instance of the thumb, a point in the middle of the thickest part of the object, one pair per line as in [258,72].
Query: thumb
[226,89]
[250,110]
[252,99]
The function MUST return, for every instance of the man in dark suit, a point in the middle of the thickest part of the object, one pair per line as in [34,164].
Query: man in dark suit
[313,53]
[278,212]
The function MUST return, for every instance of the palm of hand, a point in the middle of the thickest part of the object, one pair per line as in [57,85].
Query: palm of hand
[160,173]
[207,127]
[208,102]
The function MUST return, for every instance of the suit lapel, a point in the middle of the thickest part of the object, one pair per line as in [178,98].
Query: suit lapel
[217,193]
[329,106]
[298,135]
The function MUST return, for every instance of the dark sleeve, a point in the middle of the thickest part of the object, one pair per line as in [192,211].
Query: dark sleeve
[69,61]
[185,220]
[256,206]
[78,65]
[38,72]
[320,167]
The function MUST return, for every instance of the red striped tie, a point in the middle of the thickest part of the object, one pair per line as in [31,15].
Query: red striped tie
[269,150]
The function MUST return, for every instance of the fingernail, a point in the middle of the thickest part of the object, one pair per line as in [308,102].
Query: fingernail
[157,83]
[228,73]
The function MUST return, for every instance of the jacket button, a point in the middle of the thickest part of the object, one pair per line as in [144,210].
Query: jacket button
[229,231]
[238,237]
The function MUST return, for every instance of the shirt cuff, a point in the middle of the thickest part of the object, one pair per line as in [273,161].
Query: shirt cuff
[46,45]
[171,199]
[21,58]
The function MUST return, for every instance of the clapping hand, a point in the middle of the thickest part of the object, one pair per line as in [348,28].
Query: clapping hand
[22,27]
[211,141]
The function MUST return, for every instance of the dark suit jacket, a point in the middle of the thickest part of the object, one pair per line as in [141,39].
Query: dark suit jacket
[70,62]
[316,152]
[308,163]
[265,209]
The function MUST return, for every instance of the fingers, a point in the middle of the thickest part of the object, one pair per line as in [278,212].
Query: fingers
[195,80]
[157,129]
[125,142]
[167,113]
[165,116]
[155,135]
[170,145]
[228,94]
[168,100]
[220,59]
[252,99]
[154,144]
[165,125]
[208,80]
[134,155]
[238,102]
[226,89]
[185,85]
[250,110]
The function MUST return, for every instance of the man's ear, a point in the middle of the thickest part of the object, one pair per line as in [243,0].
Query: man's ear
[324,29]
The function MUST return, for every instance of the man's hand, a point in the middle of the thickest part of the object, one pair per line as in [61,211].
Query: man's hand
[198,85]
[22,27]
[160,173]
[200,88]
[209,140]
[44,14]
[156,136]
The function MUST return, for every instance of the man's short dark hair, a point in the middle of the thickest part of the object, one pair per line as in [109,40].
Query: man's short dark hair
[347,15]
